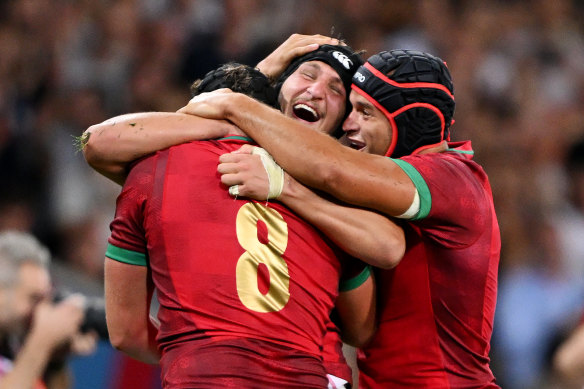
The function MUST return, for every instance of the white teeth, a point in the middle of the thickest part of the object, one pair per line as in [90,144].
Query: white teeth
[306,107]
[306,112]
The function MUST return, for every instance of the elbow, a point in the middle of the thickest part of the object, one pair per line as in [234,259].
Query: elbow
[126,338]
[359,338]
[393,257]
[390,252]
[90,150]
[121,341]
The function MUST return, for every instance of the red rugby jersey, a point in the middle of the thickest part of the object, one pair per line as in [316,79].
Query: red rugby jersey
[436,307]
[225,269]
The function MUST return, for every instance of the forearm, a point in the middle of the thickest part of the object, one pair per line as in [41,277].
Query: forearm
[29,365]
[363,234]
[110,147]
[319,161]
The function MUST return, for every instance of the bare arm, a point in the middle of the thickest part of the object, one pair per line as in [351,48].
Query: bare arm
[363,234]
[127,297]
[110,147]
[356,309]
[314,159]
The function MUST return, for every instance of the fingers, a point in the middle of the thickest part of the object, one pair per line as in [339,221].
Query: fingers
[244,175]
[245,149]
[236,156]
[296,45]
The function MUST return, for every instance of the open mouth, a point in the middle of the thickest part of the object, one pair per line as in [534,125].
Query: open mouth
[306,113]
[355,144]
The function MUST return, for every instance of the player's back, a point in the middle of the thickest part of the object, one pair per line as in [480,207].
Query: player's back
[239,282]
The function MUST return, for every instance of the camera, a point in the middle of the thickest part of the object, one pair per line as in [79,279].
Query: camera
[94,313]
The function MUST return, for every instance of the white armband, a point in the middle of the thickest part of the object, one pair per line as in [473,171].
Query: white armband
[413,209]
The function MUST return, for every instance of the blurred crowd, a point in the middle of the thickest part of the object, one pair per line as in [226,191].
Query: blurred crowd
[518,69]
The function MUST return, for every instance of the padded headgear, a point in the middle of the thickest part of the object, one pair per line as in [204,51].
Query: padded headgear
[239,78]
[415,92]
[343,59]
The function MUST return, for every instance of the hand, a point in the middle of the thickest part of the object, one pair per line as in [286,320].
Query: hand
[56,324]
[209,105]
[246,170]
[295,46]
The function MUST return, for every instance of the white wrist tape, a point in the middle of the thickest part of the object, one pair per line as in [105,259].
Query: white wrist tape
[274,171]
[413,209]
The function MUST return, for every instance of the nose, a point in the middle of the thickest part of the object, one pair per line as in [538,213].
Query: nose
[317,89]
[351,123]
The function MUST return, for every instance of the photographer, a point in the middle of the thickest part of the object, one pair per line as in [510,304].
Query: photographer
[36,335]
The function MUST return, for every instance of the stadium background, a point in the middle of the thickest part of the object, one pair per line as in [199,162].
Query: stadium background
[518,68]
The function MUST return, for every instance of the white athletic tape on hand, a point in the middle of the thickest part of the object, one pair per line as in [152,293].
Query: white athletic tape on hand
[274,171]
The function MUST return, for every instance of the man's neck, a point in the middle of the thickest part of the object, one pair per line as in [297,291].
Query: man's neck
[439,148]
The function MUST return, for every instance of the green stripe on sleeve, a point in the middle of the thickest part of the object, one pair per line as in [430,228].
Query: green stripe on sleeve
[237,137]
[358,280]
[423,190]
[126,256]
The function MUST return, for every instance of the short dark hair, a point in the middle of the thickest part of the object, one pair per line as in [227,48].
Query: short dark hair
[239,78]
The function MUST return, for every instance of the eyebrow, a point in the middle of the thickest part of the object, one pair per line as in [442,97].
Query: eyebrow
[315,65]
[364,105]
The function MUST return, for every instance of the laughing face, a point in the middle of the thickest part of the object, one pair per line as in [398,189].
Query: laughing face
[366,128]
[315,95]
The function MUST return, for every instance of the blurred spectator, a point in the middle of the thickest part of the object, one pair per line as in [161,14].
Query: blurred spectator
[36,336]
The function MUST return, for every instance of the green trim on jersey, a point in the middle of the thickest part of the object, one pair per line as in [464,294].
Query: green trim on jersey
[358,280]
[421,186]
[126,256]
[469,152]
[237,137]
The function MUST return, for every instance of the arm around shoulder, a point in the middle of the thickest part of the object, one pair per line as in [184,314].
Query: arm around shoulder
[109,147]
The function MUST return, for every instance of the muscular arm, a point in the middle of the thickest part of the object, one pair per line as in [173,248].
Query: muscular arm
[127,297]
[109,147]
[356,309]
[364,234]
[314,159]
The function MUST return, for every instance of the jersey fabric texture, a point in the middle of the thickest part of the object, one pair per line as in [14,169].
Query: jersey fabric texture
[436,307]
[245,288]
